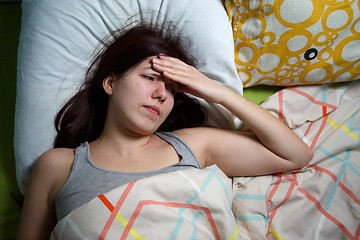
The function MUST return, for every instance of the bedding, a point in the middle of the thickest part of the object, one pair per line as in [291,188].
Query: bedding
[322,200]
[187,204]
[295,42]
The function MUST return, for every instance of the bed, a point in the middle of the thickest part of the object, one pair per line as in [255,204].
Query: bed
[299,59]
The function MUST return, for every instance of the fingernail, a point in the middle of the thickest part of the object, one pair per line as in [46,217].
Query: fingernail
[161,55]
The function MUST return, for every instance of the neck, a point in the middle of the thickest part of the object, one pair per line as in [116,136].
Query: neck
[122,143]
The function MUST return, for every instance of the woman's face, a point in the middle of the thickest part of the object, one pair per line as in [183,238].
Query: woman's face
[140,100]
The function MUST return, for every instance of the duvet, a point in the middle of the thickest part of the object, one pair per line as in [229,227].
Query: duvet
[187,204]
[322,200]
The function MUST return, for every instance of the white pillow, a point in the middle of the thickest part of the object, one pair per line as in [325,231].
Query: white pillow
[56,42]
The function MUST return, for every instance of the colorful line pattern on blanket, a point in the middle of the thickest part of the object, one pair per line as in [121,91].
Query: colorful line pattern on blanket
[115,211]
[128,212]
[337,183]
[324,196]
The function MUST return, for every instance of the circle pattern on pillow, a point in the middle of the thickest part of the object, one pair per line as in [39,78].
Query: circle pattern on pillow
[295,42]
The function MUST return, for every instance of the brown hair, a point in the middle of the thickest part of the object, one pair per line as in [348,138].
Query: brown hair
[82,118]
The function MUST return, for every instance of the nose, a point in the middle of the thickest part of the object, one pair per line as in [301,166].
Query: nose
[160,92]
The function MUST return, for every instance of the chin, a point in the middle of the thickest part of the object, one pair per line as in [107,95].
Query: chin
[145,127]
[145,131]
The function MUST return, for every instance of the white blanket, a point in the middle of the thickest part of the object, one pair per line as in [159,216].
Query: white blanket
[321,201]
[188,204]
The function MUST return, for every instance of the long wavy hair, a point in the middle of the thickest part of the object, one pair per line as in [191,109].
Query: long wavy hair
[82,118]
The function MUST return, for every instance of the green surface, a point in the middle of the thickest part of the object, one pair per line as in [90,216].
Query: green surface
[258,94]
[10,16]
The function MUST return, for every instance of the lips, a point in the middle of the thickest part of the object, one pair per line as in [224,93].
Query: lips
[153,109]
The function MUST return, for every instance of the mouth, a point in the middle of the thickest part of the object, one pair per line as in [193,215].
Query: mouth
[153,109]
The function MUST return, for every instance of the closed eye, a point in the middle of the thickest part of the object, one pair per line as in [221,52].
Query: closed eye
[171,87]
[148,77]
[172,90]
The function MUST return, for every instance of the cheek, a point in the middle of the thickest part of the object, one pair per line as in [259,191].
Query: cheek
[141,88]
[171,102]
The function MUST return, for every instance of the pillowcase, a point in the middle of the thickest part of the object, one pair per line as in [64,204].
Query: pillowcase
[56,42]
[295,42]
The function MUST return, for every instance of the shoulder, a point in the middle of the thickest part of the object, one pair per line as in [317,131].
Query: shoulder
[49,173]
[56,157]
[200,140]
[55,160]
[52,169]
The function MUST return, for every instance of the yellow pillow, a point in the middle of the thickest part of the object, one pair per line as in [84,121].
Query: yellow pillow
[296,42]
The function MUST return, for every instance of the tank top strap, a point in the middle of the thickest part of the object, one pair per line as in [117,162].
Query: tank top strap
[82,153]
[181,148]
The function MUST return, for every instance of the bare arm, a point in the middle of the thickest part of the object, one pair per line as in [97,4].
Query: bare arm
[272,148]
[276,147]
[38,215]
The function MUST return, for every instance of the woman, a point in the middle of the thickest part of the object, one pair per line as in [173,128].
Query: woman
[133,91]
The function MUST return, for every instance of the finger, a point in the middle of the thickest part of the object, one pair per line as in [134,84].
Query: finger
[171,70]
[175,70]
[171,59]
[171,63]
[176,76]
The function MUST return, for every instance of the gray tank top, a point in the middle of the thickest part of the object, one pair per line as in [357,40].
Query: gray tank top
[87,181]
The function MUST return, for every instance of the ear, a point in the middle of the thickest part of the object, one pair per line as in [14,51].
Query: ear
[108,84]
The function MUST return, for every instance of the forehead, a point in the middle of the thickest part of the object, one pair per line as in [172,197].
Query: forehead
[145,63]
